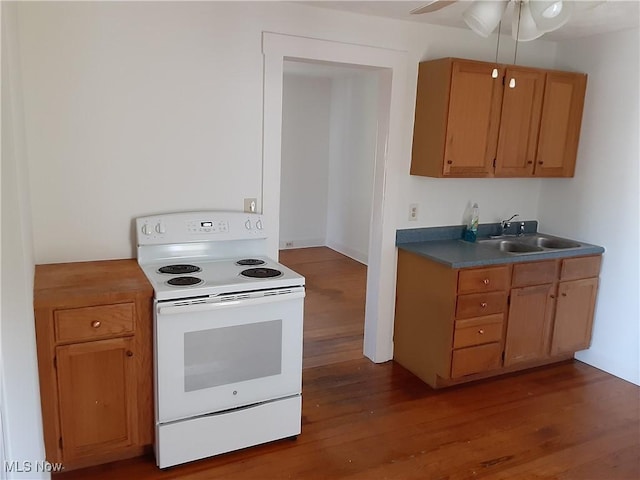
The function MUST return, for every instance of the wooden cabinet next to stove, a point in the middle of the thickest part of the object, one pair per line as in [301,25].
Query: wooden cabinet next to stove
[94,341]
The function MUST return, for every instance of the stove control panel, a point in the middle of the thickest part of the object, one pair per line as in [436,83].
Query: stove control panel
[207,226]
[199,227]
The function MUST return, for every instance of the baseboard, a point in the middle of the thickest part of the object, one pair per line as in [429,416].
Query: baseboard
[356,255]
[302,243]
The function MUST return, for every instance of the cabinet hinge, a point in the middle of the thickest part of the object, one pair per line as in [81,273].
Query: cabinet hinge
[503,356]
[503,79]
[494,163]
[60,443]
[55,362]
[509,299]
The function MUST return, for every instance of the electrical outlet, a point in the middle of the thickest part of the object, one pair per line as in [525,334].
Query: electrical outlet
[413,212]
[250,205]
[288,244]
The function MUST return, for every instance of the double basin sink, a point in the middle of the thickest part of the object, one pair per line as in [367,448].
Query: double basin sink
[528,244]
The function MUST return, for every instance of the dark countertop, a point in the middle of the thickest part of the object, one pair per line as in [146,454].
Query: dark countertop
[444,245]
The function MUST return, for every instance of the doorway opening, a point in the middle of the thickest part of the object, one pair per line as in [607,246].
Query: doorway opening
[390,66]
[329,128]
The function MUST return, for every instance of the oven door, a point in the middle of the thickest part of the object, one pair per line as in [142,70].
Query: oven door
[219,353]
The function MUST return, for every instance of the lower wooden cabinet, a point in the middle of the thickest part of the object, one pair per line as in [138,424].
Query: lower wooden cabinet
[93,328]
[572,327]
[459,325]
[97,391]
[530,316]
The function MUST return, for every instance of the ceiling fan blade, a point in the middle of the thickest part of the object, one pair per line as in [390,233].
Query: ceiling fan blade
[432,6]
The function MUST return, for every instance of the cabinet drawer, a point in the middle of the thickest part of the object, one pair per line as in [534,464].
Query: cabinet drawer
[477,331]
[86,323]
[580,267]
[535,273]
[480,304]
[483,280]
[466,361]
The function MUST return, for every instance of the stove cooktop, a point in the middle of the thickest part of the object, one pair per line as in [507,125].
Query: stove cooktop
[186,278]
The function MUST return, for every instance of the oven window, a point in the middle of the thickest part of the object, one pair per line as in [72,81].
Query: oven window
[222,356]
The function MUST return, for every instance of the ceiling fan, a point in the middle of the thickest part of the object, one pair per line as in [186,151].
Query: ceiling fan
[531,18]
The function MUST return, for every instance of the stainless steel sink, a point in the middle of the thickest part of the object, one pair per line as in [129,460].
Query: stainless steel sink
[555,243]
[529,244]
[518,247]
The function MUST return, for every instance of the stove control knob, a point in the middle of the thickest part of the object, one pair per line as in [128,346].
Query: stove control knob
[259,224]
[248,224]
[160,228]
[146,229]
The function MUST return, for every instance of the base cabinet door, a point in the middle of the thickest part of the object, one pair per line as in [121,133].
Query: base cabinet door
[528,330]
[97,397]
[574,315]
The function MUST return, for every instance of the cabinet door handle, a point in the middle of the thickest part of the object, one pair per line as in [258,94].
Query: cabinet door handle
[483,304]
[540,162]
[564,294]
[129,353]
[481,332]
[96,324]
[552,296]
[485,281]
[449,162]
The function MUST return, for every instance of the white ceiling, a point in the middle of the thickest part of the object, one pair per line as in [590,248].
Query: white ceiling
[590,17]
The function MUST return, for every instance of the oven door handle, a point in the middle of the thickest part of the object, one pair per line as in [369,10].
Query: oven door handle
[244,302]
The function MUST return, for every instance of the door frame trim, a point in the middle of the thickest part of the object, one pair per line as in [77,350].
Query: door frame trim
[390,150]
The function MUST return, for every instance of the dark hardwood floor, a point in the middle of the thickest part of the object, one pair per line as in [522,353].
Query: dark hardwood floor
[378,421]
[334,305]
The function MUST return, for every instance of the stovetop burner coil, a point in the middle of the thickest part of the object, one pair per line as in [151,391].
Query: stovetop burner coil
[250,262]
[179,269]
[184,281]
[261,273]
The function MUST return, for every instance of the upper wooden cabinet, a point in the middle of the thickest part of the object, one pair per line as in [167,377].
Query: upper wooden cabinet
[479,119]
[560,124]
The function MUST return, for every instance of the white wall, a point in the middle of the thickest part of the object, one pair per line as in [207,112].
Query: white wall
[306,105]
[601,204]
[133,108]
[20,397]
[354,106]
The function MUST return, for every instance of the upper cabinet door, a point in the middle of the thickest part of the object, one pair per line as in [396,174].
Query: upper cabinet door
[519,122]
[560,124]
[456,118]
[474,117]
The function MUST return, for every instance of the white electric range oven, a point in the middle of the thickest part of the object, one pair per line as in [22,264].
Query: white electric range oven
[227,334]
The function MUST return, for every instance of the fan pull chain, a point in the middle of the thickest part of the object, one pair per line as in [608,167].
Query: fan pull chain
[512,82]
[494,73]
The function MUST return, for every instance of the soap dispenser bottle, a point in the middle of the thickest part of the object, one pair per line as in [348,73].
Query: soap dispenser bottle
[471,232]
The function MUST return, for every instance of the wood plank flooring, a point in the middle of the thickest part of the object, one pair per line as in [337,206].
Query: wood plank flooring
[378,421]
[334,305]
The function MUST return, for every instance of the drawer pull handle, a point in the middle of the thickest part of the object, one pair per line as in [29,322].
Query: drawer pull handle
[481,332]
[96,324]
[564,294]
[129,353]
[485,281]
[483,304]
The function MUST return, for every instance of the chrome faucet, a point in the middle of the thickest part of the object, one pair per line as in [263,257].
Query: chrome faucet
[521,229]
[506,224]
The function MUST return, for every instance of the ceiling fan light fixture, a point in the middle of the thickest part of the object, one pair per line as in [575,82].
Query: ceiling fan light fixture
[523,27]
[483,16]
[552,10]
[550,15]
